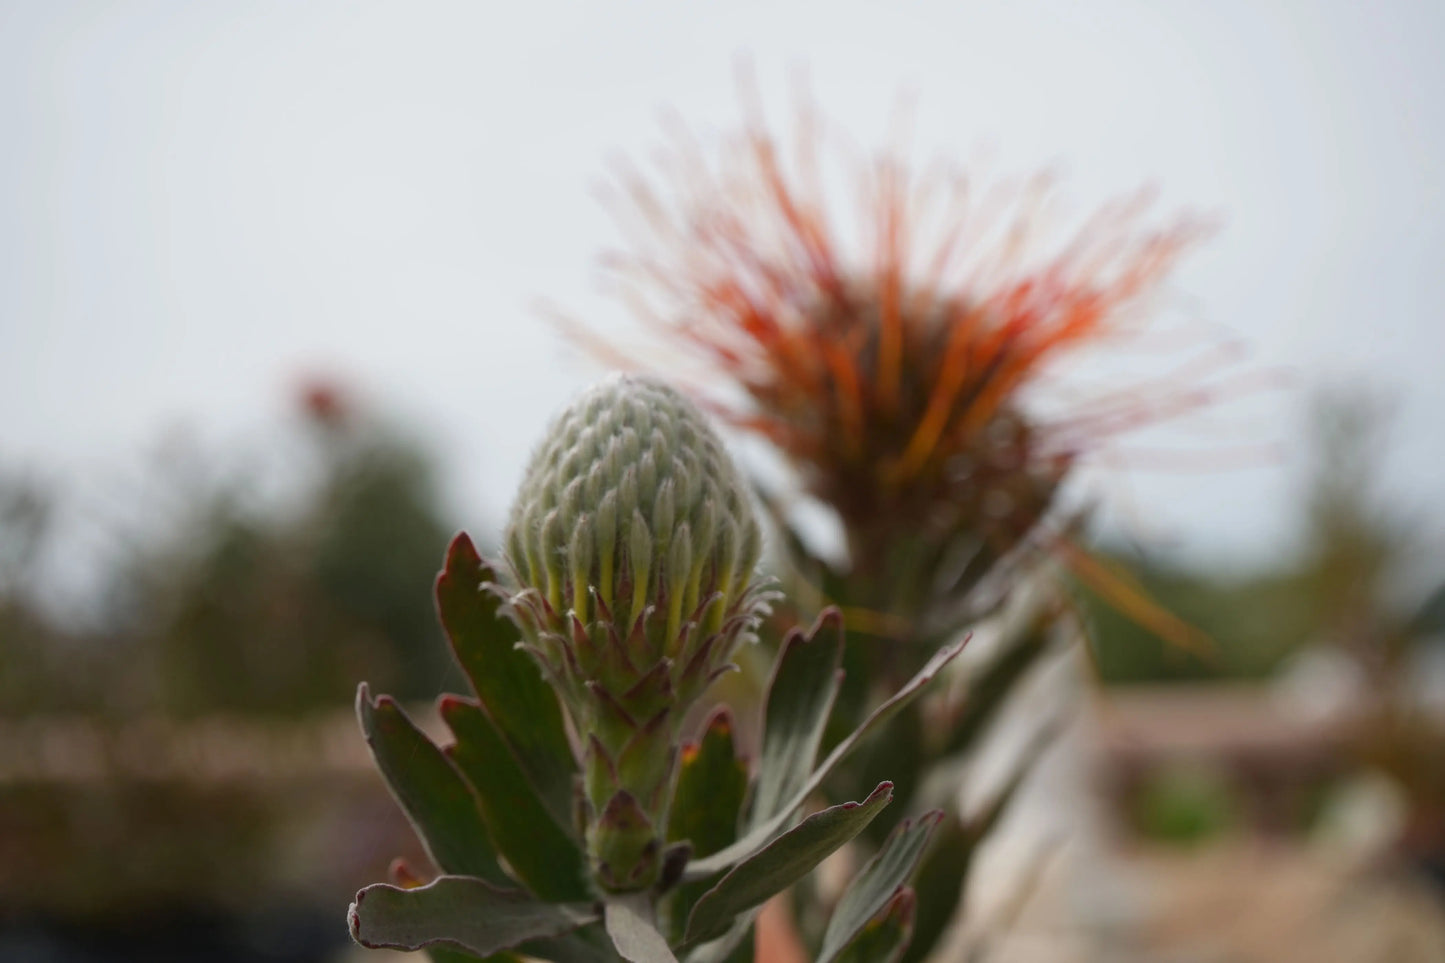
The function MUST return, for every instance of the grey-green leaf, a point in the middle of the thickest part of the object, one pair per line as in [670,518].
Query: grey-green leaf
[711,784]
[458,911]
[440,954]
[759,835]
[629,923]
[781,863]
[944,870]
[539,852]
[885,938]
[876,883]
[434,796]
[734,946]
[939,885]
[507,680]
[800,696]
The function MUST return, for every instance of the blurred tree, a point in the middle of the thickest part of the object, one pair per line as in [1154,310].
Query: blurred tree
[26,648]
[221,604]
[1355,546]
[282,614]
[1428,625]
[1337,590]
[1357,558]
[1254,620]
[1342,592]
[224,601]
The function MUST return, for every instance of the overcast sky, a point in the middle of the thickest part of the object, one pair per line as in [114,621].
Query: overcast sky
[199,201]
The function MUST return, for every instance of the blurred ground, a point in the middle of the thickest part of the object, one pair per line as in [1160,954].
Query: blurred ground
[1078,877]
[265,830]
[1235,903]
[221,839]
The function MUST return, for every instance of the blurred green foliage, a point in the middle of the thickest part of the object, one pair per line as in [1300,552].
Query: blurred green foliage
[261,616]
[1186,805]
[230,604]
[223,599]
[1337,589]
[1255,623]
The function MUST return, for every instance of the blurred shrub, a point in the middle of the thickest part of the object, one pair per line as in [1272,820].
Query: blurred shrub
[1255,623]
[1185,804]
[227,596]
[224,602]
[269,615]
[1338,589]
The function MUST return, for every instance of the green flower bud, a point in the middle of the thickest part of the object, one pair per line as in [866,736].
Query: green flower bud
[634,544]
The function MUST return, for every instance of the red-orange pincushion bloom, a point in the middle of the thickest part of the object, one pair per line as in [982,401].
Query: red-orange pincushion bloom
[891,371]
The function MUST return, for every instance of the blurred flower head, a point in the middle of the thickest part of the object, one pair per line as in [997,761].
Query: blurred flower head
[889,357]
[325,401]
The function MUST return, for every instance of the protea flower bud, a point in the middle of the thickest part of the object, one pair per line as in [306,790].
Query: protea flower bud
[634,544]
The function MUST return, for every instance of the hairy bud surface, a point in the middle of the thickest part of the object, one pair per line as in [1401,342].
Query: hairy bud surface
[634,547]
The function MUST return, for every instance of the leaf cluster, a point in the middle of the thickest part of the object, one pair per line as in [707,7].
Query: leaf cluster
[495,809]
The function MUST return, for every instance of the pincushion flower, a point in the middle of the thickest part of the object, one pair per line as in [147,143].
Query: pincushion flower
[893,374]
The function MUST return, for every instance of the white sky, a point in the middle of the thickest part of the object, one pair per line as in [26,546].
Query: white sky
[200,201]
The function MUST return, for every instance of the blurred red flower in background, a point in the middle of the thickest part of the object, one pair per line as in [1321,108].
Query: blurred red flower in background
[890,359]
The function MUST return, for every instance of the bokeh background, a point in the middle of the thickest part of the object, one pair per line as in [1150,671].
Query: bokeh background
[273,280]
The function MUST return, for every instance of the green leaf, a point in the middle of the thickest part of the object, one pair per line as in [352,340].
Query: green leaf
[885,938]
[441,806]
[736,946]
[861,651]
[901,753]
[781,863]
[939,886]
[801,694]
[946,868]
[746,945]
[629,923]
[440,954]
[877,883]
[759,835]
[539,852]
[505,678]
[461,912]
[711,784]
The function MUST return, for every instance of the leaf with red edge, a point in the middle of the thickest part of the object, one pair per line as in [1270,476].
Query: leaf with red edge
[876,883]
[460,912]
[506,680]
[711,784]
[441,806]
[939,883]
[781,863]
[885,938]
[805,682]
[759,835]
[538,851]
